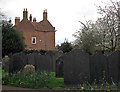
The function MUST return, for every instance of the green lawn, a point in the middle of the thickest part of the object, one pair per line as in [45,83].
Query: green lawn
[0,75]
[0,72]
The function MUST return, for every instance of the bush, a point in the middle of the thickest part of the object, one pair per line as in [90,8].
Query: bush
[5,77]
[5,63]
[42,52]
[34,80]
[29,69]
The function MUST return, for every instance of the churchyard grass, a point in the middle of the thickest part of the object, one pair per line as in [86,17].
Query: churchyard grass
[36,80]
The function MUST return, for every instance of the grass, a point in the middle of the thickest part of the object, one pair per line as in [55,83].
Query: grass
[35,80]
[56,82]
[0,73]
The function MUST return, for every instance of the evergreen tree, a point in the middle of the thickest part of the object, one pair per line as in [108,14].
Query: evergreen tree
[65,47]
[12,40]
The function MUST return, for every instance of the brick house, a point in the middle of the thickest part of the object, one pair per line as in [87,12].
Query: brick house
[37,35]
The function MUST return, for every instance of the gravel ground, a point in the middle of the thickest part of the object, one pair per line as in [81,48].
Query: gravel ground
[18,89]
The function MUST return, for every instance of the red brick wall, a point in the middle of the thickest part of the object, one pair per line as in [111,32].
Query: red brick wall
[44,40]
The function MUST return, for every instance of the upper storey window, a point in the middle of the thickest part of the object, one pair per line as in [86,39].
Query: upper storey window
[33,40]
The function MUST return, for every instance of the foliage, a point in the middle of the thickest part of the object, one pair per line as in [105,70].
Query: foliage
[103,34]
[29,69]
[47,80]
[35,80]
[87,38]
[65,46]
[110,25]
[55,82]
[5,76]
[5,63]
[42,52]
[12,40]
[0,73]
[102,86]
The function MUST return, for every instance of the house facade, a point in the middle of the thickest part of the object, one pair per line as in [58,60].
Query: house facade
[37,35]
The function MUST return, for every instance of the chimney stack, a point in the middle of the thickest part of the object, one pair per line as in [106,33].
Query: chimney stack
[30,17]
[34,19]
[25,14]
[17,20]
[45,14]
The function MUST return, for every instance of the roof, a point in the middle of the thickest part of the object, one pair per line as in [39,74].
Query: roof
[24,24]
[43,25]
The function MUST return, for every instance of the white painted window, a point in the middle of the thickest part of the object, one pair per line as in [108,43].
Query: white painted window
[33,40]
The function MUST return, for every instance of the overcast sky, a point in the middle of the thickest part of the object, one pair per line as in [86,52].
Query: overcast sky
[63,14]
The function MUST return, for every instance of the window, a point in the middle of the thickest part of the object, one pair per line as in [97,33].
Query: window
[33,40]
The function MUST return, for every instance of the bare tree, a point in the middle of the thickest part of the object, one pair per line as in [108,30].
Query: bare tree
[110,25]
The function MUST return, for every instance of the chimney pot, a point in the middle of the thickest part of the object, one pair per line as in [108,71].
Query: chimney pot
[17,20]
[25,14]
[30,17]
[45,14]
[34,19]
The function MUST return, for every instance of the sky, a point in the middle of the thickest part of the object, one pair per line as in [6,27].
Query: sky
[63,14]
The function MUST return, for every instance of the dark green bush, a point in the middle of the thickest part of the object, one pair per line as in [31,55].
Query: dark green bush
[42,52]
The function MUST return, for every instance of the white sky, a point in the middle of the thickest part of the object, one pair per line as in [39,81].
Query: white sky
[63,14]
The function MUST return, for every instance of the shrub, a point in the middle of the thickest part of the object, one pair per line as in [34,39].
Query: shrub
[5,77]
[29,69]
[5,63]
[35,80]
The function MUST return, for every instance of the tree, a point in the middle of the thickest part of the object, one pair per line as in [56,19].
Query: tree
[104,34]
[1,18]
[65,46]
[110,25]
[12,40]
[87,38]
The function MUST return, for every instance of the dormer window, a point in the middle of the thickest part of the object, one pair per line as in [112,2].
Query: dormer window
[34,40]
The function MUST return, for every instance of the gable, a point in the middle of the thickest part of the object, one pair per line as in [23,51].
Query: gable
[24,25]
[44,26]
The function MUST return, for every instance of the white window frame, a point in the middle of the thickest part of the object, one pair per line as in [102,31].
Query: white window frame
[33,39]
